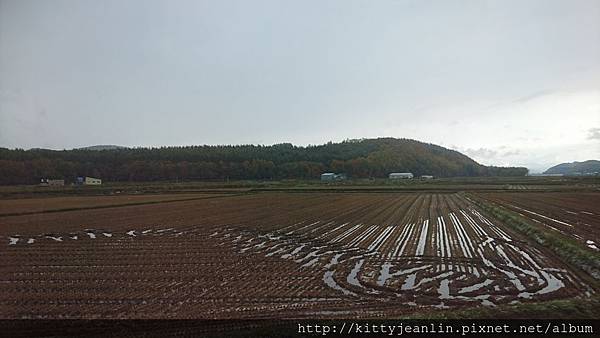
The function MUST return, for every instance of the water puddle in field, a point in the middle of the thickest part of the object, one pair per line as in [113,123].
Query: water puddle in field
[309,255]
[384,273]
[422,239]
[378,242]
[58,239]
[548,225]
[294,252]
[345,234]
[543,216]
[326,233]
[486,249]
[328,279]
[426,280]
[409,283]
[402,241]
[552,284]
[353,275]
[444,289]
[476,287]
[90,233]
[443,246]
[463,238]
[444,293]
[487,241]
[275,252]
[303,228]
[169,229]
[333,261]
[486,265]
[362,236]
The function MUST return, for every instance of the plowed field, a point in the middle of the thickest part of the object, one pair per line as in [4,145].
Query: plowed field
[272,255]
[573,215]
[38,205]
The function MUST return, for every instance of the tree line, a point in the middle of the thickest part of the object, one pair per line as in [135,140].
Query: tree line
[363,158]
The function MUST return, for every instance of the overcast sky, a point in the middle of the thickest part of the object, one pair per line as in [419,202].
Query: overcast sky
[506,82]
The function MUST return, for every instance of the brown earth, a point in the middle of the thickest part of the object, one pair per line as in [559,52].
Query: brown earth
[272,255]
[575,215]
[45,204]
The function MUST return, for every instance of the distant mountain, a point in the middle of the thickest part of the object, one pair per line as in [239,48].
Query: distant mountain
[102,147]
[362,158]
[575,168]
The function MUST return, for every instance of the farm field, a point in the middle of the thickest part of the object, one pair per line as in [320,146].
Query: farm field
[273,255]
[37,205]
[575,215]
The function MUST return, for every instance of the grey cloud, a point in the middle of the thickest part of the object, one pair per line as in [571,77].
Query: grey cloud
[511,153]
[594,134]
[481,153]
[156,72]
[492,154]
[534,96]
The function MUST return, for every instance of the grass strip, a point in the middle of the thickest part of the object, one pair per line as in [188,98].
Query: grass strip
[574,308]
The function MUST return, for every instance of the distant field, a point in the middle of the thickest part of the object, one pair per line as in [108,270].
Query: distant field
[275,255]
[542,184]
[36,205]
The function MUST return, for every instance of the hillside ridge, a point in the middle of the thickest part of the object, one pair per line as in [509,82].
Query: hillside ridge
[575,168]
[358,158]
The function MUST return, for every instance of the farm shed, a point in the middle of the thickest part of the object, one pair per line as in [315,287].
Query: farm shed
[332,177]
[395,176]
[327,176]
[92,181]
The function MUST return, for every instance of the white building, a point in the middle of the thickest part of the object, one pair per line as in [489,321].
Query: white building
[395,176]
[92,181]
[327,177]
[332,177]
[50,182]
[427,177]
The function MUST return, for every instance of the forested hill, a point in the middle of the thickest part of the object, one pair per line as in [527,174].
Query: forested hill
[357,158]
[575,168]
